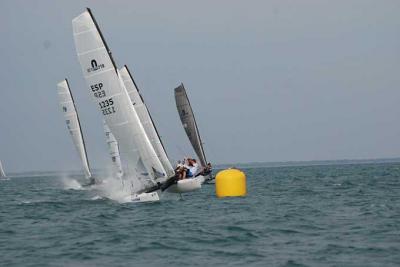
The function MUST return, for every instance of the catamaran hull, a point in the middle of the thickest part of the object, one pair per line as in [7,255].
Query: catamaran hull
[186,185]
[144,197]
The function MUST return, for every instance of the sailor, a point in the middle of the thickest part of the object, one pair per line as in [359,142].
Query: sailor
[206,170]
[179,165]
[191,169]
[180,169]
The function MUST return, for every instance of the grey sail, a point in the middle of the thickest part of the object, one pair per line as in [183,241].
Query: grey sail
[189,122]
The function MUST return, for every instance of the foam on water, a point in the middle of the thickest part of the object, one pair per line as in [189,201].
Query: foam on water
[114,189]
[97,197]
[70,183]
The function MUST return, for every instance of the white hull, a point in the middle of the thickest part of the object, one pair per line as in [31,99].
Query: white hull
[145,197]
[186,185]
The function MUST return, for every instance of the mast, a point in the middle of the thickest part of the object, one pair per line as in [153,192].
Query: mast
[102,38]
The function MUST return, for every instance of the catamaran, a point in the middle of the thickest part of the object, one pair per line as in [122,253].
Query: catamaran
[143,168]
[189,124]
[175,186]
[74,127]
[2,173]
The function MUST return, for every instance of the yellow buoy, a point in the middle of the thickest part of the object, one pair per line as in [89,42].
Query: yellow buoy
[230,183]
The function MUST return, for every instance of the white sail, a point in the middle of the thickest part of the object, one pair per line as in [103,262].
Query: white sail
[113,102]
[72,120]
[145,119]
[114,151]
[2,174]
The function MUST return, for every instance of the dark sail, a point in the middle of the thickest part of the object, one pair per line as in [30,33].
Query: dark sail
[189,122]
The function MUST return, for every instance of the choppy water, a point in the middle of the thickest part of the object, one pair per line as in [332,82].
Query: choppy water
[346,215]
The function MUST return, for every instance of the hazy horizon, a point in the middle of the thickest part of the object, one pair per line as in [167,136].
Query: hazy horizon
[269,81]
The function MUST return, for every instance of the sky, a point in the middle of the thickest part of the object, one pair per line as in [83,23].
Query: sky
[268,80]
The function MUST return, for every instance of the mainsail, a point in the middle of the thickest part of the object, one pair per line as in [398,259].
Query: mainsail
[145,119]
[189,123]
[72,120]
[113,150]
[112,100]
[2,174]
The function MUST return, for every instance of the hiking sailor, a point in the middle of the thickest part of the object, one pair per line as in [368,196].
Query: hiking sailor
[187,170]
[206,170]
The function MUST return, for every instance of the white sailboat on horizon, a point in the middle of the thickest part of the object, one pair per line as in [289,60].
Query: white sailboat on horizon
[2,173]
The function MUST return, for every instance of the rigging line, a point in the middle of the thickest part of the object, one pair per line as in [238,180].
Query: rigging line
[183,153]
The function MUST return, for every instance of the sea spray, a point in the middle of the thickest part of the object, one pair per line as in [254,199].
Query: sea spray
[70,183]
[114,189]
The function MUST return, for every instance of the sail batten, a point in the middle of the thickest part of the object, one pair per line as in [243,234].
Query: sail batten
[73,124]
[112,100]
[189,122]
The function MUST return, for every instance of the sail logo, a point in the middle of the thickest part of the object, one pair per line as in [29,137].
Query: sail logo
[94,66]
[64,108]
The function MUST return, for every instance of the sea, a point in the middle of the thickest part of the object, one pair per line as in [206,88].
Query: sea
[319,215]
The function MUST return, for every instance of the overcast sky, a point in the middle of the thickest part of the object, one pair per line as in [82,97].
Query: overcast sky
[268,80]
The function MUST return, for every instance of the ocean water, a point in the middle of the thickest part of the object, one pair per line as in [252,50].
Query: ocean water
[342,215]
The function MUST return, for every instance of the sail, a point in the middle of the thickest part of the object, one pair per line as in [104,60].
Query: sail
[2,174]
[112,100]
[72,120]
[113,150]
[189,123]
[145,119]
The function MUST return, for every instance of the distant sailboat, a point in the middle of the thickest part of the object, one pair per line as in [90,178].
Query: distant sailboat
[114,151]
[141,165]
[2,174]
[189,124]
[74,127]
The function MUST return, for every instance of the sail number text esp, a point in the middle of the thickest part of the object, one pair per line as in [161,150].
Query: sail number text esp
[107,105]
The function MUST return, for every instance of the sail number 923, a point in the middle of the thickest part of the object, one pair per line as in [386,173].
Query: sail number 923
[97,90]
[107,106]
